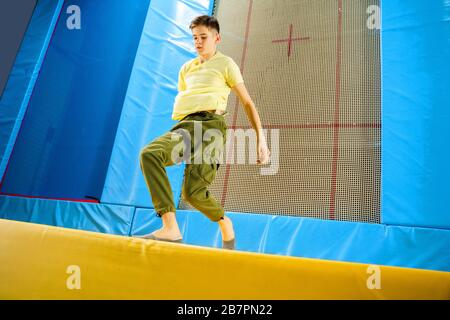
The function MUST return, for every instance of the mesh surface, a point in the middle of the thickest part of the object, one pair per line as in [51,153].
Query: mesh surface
[321,91]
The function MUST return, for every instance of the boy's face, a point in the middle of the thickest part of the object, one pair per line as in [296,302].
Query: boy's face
[205,40]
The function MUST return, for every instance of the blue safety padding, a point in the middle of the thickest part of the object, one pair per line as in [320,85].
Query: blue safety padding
[67,135]
[416,113]
[15,97]
[166,43]
[103,218]
[410,247]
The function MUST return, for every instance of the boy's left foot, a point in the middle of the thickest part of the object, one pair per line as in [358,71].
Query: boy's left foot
[230,244]
[226,227]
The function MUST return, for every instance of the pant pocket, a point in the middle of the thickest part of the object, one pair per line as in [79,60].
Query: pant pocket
[205,172]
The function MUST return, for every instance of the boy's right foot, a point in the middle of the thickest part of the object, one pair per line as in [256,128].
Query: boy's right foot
[164,234]
[152,237]
[170,230]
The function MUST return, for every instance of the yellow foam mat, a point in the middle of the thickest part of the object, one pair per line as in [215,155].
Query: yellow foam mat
[45,262]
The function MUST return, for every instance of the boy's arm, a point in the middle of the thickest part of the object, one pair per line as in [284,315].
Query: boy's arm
[252,114]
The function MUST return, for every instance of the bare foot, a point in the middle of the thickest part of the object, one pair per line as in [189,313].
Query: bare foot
[167,234]
[226,227]
[170,229]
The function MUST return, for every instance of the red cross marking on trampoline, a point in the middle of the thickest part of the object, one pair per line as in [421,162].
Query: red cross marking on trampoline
[290,39]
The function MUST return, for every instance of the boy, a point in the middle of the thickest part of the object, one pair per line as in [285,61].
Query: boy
[204,85]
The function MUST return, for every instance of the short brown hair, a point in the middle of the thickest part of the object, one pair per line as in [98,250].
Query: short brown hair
[207,21]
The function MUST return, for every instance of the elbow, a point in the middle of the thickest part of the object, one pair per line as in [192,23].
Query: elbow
[249,105]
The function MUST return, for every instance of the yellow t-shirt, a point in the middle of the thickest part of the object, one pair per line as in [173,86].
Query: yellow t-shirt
[205,86]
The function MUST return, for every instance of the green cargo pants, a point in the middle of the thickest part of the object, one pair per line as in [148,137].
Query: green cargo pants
[201,149]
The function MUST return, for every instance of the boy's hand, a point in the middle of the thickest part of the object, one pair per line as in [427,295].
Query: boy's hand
[263,151]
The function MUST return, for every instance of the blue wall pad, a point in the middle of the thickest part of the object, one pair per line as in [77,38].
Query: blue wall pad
[313,238]
[15,17]
[68,214]
[15,97]
[416,113]
[166,43]
[66,139]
